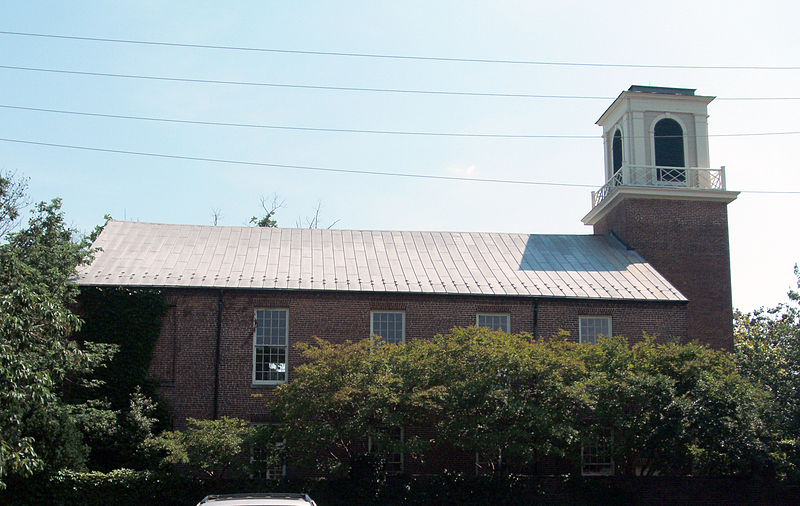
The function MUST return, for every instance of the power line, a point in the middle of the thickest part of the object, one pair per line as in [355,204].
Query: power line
[342,88]
[401,57]
[301,128]
[296,167]
[356,130]
[331,169]
[299,86]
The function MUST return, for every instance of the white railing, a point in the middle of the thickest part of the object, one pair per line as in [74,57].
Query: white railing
[652,176]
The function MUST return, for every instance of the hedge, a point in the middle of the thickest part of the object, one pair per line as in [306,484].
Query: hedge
[123,487]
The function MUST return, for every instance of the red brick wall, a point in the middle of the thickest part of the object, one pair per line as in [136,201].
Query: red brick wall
[184,357]
[687,242]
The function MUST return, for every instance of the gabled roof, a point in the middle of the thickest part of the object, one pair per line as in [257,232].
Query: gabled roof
[572,266]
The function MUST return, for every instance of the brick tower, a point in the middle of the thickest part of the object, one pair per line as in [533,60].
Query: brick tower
[662,199]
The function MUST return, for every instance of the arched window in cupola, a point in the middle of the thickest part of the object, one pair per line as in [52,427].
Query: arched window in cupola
[668,147]
[616,152]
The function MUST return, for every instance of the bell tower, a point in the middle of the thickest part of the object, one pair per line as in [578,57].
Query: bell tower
[662,199]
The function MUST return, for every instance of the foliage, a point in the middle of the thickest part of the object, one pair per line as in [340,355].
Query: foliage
[664,408]
[130,320]
[213,448]
[501,395]
[126,487]
[669,408]
[767,347]
[12,200]
[39,359]
[36,356]
[270,207]
[342,395]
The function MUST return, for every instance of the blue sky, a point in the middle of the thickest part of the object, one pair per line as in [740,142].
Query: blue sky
[764,238]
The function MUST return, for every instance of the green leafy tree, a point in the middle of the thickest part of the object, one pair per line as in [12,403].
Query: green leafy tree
[670,408]
[343,394]
[213,448]
[38,359]
[501,395]
[270,207]
[12,201]
[767,347]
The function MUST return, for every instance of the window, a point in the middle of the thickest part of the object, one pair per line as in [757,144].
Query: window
[267,464]
[592,327]
[668,145]
[489,464]
[394,462]
[616,152]
[596,459]
[494,321]
[389,325]
[270,346]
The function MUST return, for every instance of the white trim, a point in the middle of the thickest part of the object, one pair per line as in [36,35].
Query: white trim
[387,311]
[609,472]
[596,317]
[498,461]
[507,315]
[268,470]
[371,443]
[286,346]
[621,192]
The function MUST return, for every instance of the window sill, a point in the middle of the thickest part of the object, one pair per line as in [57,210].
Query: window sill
[266,385]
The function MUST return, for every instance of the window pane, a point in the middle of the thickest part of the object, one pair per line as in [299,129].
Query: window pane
[596,456]
[269,345]
[593,327]
[390,326]
[393,460]
[264,469]
[271,327]
[495,321]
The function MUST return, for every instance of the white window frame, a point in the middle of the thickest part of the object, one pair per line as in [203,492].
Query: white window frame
[483,465]
[506,315]
[256,346]
[269,473]
[401,455]
[593,317]
[372,323]
[601,468]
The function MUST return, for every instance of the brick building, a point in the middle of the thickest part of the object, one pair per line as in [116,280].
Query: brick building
[241,297]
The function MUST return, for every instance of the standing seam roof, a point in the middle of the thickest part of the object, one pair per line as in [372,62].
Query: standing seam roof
[568,266]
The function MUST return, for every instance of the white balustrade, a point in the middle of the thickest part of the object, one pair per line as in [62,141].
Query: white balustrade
[651,176]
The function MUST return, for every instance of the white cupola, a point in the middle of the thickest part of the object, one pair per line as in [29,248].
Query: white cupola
[649,129]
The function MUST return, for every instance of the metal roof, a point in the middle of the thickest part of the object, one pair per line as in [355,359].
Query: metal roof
[572,266]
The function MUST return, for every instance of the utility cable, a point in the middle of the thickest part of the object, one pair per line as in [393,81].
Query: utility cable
[399,56]
[331,169]
[341,88]
[356,130]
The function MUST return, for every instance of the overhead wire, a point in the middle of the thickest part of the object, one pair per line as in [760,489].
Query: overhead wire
[398,56]
[333,169]
[358,89]
[346,88]
[352,130]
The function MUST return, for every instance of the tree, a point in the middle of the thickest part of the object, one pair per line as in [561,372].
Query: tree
[270,207]
[500,395]
[38,359]
[342,395]
[313,220]
[12,200]
[214,448]
[669,408]
[660,408]
[767,347]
